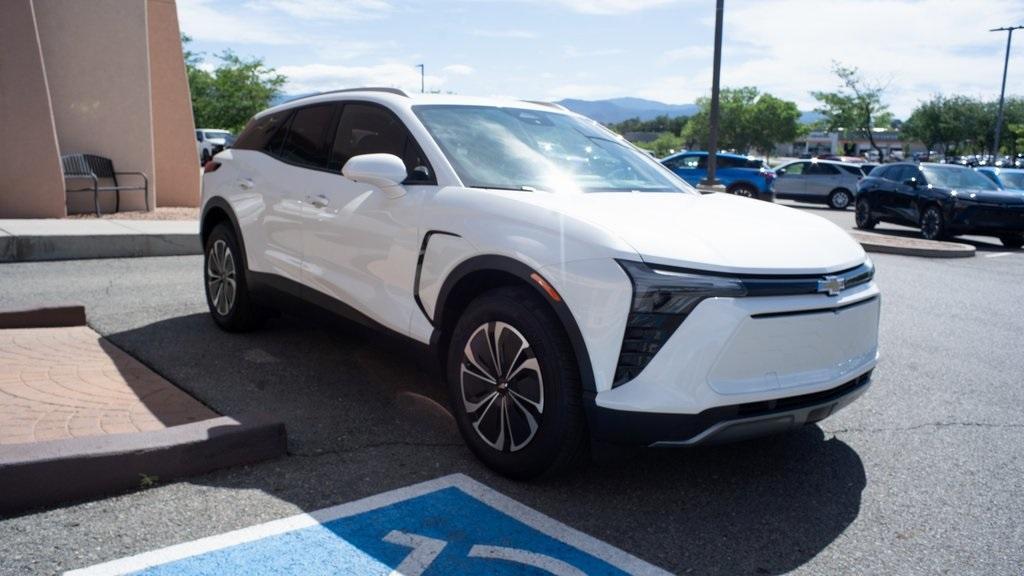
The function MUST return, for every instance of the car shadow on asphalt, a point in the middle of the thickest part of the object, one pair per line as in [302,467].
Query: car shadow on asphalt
[981,245]
[365,414]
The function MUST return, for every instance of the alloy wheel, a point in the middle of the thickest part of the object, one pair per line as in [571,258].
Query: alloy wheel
[743,191]
[220,277]
[840,200]
[502,388]
[931,224]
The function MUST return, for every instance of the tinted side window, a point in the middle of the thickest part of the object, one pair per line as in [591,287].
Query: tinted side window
[674,163]
[796,168]
[730,162]
[305,142]
[259,131]
[878,172]
[851,170]
[821,169]
[369,129]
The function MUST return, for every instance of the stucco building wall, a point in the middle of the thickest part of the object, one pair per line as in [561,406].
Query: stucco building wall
[177,164]
[31,185]
[97,67]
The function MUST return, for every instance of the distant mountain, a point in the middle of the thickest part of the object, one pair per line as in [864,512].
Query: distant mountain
[619,109]
[810,117]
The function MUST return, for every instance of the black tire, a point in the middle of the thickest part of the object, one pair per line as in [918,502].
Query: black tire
[840,199]
[933,223]
[745,190]
[205,158]
[224,270]
[1013,240]
[863,215]
[548,390]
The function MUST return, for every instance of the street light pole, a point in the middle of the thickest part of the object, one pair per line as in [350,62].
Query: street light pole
[1002,92]
[710,181]
[422,78]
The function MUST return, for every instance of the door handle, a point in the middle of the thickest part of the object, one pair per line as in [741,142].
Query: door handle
[319,201]
[245,183]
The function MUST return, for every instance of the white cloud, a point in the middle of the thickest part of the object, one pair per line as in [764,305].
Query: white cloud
[611,6]
[504,33]
[458,70]
[327,9]
[688,53]
[574,52]
[202,20]
[321,77]
[788,49]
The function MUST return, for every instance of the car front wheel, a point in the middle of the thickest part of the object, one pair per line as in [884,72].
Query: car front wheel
[745,191]
[863,217]
[514,385]
[933,225]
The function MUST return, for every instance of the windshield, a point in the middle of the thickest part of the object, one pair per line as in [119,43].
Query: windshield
[1012,179]
[225,135]
[518,149]
[956,177]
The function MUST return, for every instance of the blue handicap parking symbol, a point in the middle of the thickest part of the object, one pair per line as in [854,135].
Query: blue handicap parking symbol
[448,526]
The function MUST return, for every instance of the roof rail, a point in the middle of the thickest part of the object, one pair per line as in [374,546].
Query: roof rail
[396,91]
[554,105]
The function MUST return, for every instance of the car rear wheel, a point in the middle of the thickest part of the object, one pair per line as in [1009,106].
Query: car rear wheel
[227,294]
[744,190]
[933,225]
[840,199]
[514,385]
[1012,240]
[863,215]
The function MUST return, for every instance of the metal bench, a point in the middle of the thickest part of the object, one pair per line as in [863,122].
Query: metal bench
[89,166]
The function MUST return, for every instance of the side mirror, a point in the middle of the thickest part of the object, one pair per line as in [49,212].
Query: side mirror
[385,171]
[780,172]
[912,182]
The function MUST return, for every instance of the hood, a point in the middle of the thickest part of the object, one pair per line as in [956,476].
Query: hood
[721,232]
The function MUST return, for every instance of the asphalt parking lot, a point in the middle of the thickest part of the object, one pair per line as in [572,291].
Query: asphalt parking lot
[923,475]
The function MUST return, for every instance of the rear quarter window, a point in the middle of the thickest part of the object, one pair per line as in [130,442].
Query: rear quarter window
[259,132]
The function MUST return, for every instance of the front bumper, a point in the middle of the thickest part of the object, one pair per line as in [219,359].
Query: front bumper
[986,219]
[722,424]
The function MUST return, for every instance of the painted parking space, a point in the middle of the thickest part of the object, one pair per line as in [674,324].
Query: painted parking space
[452,525]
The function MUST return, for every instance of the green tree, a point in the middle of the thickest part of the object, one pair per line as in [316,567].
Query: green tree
[772,120]
[233,92]
[747,119]
[856,106]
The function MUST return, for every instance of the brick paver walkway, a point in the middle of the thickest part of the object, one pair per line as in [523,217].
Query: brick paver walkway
[58,383]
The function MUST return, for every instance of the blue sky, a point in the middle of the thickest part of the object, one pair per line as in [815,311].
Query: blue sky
[657,49]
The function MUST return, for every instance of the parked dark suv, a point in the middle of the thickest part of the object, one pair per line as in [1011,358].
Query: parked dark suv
[943,199]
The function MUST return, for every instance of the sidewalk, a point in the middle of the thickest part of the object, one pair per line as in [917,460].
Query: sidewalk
[68,239]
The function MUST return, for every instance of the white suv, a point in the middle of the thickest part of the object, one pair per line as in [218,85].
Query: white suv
[577,293]
[209,142]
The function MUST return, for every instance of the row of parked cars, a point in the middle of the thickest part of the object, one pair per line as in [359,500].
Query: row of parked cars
[944,200]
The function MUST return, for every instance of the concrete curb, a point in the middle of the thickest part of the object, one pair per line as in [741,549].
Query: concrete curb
[912,246]
[46,473]
[43,317]
[72,247]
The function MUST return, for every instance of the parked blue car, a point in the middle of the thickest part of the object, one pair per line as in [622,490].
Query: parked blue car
[740,175]
[1005,178]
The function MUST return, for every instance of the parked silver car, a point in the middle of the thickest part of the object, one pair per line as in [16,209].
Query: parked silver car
[818,182]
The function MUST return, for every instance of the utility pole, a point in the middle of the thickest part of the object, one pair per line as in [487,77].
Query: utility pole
[422,78]
[1002,92]
[710,180]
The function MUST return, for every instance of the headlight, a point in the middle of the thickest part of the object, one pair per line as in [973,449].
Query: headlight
[661,301]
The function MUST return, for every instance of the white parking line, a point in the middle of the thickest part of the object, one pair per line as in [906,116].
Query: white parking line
[998,254]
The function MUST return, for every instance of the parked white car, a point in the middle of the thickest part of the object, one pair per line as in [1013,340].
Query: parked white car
[576,292]
[818,182]
[209,142]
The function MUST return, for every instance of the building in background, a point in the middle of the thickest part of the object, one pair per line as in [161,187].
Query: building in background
[103,77]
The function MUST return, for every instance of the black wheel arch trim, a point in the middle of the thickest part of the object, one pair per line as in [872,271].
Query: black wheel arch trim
[219,203]
[523,272]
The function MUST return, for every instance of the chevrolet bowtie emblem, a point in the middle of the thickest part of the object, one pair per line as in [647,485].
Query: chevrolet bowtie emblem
[832,285]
